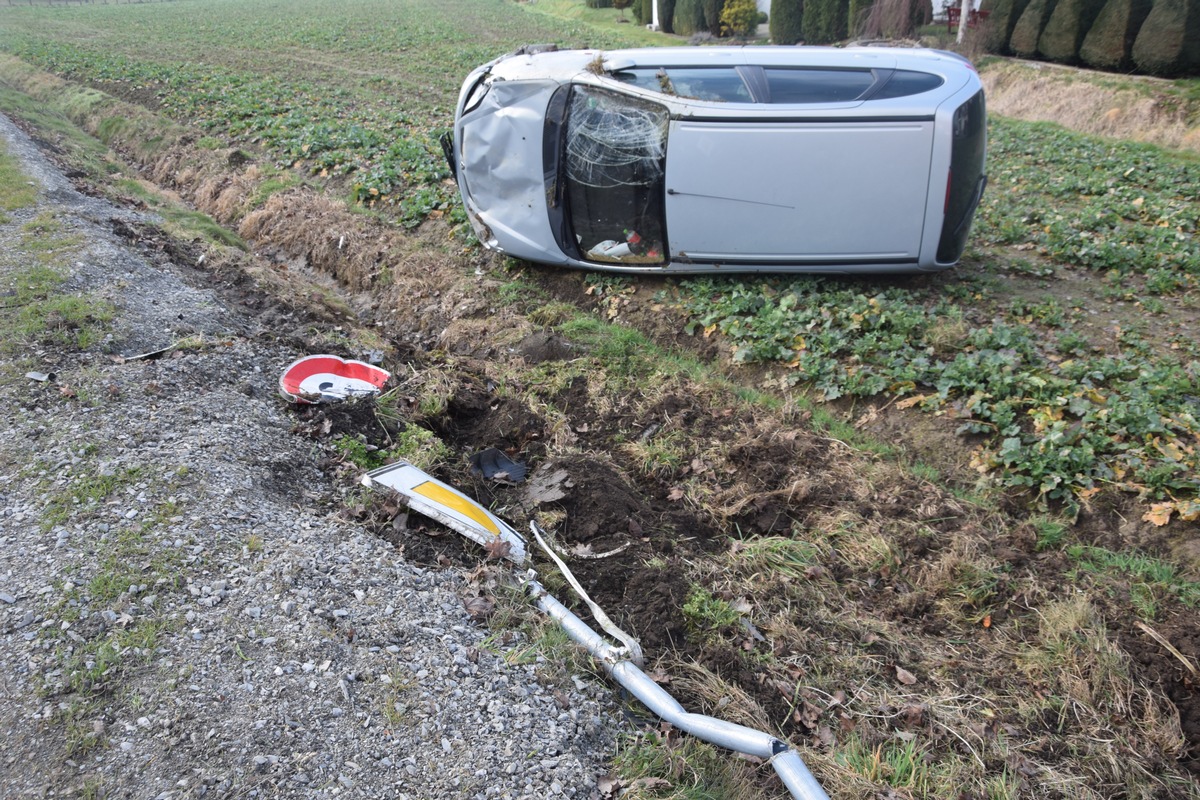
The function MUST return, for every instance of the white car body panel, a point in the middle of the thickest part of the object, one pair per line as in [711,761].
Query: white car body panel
[780,216]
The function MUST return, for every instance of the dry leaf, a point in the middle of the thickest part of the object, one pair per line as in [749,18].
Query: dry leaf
[498,548]
[904,676]
[675,494]
[608,785]
[650,783]
[807,714]
[659,677]
[1159,514]
[914,715]
[479,607]
[909,402]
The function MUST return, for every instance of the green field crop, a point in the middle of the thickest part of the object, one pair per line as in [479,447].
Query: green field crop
[360,91]
[1061,426]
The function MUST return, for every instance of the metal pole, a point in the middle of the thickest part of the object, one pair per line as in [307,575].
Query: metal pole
[787,762]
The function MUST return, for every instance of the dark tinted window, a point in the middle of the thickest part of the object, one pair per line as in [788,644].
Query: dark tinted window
[817,85]
[905,82]
[718,84]
[965,182]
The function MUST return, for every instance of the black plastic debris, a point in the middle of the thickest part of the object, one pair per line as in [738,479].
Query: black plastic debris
[494,465]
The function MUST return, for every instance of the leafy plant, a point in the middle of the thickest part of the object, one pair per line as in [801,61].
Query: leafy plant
[1061,428]
[709,616]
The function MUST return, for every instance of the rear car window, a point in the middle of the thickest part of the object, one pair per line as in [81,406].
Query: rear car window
[817,85]
[905,82]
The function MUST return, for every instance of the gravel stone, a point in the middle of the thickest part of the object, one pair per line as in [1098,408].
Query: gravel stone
[315,663]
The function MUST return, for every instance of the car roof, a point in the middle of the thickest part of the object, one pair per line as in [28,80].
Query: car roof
[564,63]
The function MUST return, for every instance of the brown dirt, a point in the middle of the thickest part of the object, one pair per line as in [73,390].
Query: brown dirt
[1173,674]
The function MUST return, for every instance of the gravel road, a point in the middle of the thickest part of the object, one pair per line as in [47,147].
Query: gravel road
[182,613]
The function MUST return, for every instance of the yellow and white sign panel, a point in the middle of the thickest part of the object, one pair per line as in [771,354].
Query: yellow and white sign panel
[427,495]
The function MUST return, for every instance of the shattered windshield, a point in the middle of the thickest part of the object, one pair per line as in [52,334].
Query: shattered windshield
[614,153]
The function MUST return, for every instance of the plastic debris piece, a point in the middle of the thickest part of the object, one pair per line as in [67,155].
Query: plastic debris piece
[549,484]
[325,378]
[41,377]
[427,495]
[610,248]
[151,355]
[493,464]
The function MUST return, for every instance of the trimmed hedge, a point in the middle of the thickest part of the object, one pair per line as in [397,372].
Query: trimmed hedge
[1109,44]
[688,17]
[1002,18]
[1027,31]
[786,21]
[824,21]
[1066,28]
[1169,41]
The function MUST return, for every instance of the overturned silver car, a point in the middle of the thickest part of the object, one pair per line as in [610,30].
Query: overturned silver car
[738,159]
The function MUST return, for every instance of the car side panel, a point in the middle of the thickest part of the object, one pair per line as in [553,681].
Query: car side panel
[800,191]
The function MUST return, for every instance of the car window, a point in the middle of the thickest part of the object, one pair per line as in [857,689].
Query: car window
[614,155]
[715,84]
[817,85]
[905,82]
